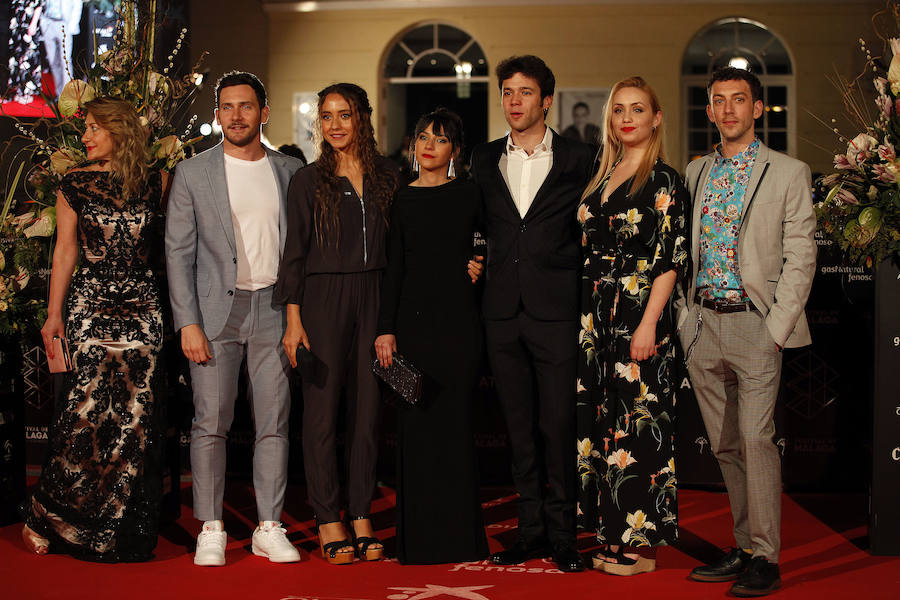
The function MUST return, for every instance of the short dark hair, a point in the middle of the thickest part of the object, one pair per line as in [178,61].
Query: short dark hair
[444,122]
[241,78]
[530,66]
[735,74]
[581,105]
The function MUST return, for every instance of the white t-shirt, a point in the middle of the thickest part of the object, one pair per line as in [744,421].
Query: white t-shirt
[255,210]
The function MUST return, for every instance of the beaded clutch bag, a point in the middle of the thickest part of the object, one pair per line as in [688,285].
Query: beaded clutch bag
[402,377]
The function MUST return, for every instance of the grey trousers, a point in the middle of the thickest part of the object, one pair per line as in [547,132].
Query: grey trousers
[735,370]
[254,329]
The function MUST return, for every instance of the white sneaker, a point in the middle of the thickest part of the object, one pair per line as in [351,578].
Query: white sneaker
[270,541]
[210,549]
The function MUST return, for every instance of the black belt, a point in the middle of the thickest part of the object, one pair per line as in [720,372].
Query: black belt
[722,306]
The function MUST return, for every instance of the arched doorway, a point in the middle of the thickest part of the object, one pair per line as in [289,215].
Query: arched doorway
[433,64]
[747,44]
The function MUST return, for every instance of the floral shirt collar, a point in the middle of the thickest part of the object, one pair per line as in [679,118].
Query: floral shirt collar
[719,275]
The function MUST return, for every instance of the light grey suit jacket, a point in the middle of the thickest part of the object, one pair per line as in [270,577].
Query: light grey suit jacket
[776,244]
[201,255]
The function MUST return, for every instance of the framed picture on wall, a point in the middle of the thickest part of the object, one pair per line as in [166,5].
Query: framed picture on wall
[579,113]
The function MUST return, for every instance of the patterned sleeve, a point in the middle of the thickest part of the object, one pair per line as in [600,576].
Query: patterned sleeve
[72,191]
[670,202]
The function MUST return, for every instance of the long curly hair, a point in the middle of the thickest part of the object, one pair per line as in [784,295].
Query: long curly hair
[613,149]
[130,155]
[380,184]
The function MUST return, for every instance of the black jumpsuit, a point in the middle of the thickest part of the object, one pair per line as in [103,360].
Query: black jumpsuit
[337,287]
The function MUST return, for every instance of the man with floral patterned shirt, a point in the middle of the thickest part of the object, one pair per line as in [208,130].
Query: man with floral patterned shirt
[753,259]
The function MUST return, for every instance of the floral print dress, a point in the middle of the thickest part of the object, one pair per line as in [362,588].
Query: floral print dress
[626,408]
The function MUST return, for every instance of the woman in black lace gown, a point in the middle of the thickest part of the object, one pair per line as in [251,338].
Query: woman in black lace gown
[429,314]
[98,495]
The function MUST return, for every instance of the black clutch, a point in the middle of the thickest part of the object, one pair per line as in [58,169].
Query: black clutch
[402,377]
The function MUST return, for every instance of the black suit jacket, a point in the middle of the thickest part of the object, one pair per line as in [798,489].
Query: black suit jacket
[534,260]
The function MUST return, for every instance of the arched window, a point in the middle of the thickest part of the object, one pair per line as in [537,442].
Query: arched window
[435,50]
[744,44]
[453,65]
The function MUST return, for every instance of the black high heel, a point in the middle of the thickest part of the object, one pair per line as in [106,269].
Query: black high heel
[364,544]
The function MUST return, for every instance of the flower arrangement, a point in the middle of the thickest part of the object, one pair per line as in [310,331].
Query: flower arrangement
[861,211]
[53,146]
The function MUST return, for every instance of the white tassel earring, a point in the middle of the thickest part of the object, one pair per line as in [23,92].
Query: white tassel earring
[451,172]
[415,165]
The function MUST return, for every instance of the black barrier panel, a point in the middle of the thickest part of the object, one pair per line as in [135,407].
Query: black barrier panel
[12,431]
[884,505]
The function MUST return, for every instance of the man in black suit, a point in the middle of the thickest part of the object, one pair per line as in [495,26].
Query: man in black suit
[532,181]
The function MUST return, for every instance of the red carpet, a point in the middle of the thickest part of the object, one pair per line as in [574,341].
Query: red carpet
[821,559]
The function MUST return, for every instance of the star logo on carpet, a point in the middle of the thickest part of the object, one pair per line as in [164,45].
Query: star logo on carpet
[435,591]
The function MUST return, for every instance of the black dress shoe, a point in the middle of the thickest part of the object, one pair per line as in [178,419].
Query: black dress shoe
[726,568]
[521,552]
[567,559]
[760,579]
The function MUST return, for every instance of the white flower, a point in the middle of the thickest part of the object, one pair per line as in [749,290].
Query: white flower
[861,148]
[44,225]
[620,458]
[62,160]
[73,96]
[631,371]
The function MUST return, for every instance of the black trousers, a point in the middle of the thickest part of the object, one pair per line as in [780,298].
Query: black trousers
[340,313]
[534,366]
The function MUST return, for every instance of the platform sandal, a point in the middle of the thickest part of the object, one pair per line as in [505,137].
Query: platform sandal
[603,557]
[331,550]
[367,547]
[625,565]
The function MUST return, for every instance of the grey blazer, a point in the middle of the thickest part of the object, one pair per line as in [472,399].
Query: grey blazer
[201,255]
[776,244]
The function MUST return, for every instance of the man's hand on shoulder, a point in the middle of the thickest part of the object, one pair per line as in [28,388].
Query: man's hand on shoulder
[194,343]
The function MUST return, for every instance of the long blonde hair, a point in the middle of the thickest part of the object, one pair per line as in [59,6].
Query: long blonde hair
[130,155]
[613,148]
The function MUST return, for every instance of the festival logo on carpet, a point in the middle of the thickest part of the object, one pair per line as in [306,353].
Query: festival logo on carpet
[430,590]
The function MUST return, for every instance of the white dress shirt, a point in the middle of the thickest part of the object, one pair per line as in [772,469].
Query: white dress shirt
[525,173]
[255,213]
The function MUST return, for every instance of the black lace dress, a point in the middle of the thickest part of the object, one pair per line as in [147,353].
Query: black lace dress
[98,495]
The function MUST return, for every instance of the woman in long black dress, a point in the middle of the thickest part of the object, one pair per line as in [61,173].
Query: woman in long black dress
[633,217]
[98,494]
[330,279]
[429,314]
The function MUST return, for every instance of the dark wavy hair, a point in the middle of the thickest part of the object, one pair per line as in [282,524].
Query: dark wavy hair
[528,65]
[129,155]
[380,184]
[443,121]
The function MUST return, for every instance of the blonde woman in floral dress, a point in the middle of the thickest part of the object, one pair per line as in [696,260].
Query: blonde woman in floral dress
[633,217]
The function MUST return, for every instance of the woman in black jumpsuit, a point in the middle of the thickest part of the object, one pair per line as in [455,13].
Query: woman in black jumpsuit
[330,278]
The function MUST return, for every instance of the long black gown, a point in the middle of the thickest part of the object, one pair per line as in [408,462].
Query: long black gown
[430,304]
[99,492]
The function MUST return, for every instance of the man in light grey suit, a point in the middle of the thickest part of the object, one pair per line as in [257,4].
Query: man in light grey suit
[753,259]
[225,230]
